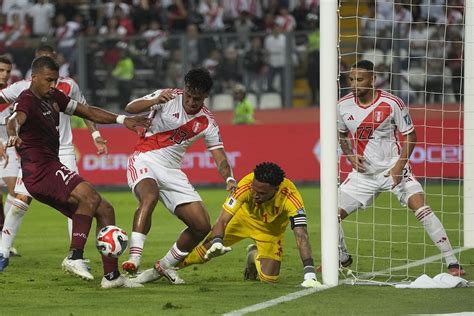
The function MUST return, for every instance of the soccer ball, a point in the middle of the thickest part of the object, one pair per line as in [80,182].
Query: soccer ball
[112,241]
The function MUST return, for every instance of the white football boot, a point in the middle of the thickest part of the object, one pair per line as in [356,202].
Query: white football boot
[131,265]
[121,281]
[78,267]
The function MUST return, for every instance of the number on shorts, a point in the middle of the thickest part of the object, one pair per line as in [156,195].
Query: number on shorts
[63,175]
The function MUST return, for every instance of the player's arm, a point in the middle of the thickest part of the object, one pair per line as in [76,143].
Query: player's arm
[409,143]
[101,116]
[144,104]
[298,224]
[99,141]
[224,168]
[217,248]
[13,126]
[357,161]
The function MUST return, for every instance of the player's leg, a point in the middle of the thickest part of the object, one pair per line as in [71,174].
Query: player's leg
[264,259]
[411,193]
[357,191]
[69,160]
[142,179]
[147,193]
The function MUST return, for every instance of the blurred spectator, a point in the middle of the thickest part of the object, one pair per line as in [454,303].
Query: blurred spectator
[313,57]
[243,111]
[418,41]
[233,8]
[212,62]
[14,32]
[285,20]
[255,68]
[124,20]
[144,12]
[228,71]
[111,6]
[299,12]
[454,62]
[213,14]
[65,34]
[174,70]
[157,39]
[41,15]
[113,28]
[275,48]
[16,8]
[177,16]
[124,72]
[68,8]
[197,47]
[373,30]
[243,25]
[432,10]
[435,68]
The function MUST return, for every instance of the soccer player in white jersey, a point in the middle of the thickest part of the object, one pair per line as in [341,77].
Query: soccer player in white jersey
[380,163]
[10,164]
[67,155]
[179,119]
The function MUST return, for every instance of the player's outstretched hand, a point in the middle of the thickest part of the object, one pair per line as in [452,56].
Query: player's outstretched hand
[14,141]
[165,96]
[358,163]
[101,145]
[217,249]
[310,283]
[137,123]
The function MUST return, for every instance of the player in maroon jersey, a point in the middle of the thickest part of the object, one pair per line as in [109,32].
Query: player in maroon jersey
[33,130]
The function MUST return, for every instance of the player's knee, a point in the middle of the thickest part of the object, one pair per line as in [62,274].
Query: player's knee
[201,230]
[267,278]
[105,207]
[92,200]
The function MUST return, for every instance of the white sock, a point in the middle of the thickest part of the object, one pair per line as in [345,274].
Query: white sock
[69,227]
[436,231]
[10,226]
[137,241]
[343,252]
[173,257]
[8,204]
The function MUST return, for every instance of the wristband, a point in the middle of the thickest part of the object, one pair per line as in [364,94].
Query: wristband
[217,239]
[229,179]
[95,134]
[120,119]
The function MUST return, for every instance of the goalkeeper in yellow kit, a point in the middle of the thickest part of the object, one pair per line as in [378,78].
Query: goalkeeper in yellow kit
[260,208]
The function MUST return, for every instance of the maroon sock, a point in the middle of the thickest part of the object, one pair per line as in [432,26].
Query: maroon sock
[110,264]
[81,225]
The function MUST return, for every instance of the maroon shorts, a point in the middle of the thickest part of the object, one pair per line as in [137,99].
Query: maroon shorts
[52,183]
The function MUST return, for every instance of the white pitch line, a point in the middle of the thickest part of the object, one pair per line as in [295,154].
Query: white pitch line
[296,295]
[281,299]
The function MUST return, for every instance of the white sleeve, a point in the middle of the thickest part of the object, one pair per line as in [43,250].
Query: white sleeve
[212,136]
[341,126]
[402,118]
[76,93]
[11,93]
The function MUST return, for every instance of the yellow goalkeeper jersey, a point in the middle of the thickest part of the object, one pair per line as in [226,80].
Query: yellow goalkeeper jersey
[271,216]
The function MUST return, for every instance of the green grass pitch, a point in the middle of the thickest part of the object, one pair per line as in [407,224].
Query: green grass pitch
[35,285]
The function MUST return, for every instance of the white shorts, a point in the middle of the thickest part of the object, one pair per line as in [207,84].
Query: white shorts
[173,183]
[11,170]
[67,160]
[359,190]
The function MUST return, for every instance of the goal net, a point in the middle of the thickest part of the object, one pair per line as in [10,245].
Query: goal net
[417,50]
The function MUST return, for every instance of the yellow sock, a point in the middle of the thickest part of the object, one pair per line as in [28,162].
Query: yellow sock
[262,276]
[196,256]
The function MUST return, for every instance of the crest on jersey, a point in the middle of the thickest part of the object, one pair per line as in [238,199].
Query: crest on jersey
[196,127]
[378,116]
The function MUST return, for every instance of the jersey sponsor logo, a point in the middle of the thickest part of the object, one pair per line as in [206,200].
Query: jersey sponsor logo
[351,118]
[230,202]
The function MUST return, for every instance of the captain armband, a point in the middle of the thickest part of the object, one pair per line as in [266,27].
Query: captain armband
[298,220]
[71,107]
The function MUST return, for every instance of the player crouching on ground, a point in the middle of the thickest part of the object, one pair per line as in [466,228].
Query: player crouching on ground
[260,208]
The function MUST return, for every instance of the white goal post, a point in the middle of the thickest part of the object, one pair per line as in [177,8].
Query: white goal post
[329,70]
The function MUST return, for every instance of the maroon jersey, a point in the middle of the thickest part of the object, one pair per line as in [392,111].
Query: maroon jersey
[45,177]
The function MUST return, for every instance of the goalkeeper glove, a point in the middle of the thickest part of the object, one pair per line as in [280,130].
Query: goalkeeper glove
[310,280]
[217,249]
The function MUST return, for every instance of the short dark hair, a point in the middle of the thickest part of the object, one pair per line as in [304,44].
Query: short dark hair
[364,64]
[4,59]
[269,172]
[44,62]
[198,79]
[45,48]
